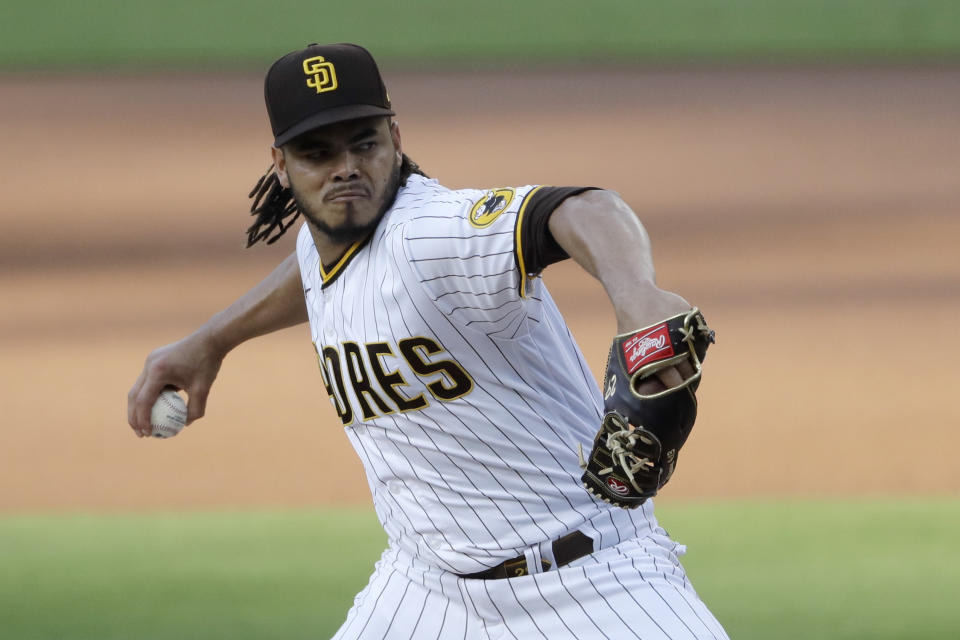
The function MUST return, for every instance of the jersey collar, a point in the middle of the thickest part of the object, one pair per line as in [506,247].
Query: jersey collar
[328,275]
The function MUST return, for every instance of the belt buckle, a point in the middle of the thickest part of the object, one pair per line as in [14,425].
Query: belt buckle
[516,567]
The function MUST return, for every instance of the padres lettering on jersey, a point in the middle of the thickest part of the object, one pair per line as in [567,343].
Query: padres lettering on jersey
[373,373]
[457,380]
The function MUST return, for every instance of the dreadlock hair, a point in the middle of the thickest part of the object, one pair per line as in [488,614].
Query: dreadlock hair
[276,210]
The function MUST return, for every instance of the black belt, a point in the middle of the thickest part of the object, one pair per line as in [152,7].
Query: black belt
[570,547]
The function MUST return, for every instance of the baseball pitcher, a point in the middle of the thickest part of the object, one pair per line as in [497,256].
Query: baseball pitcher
[515,493]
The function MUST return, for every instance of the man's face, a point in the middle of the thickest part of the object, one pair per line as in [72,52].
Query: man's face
[343,175]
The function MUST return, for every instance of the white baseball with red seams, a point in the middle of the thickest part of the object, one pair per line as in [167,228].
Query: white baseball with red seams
[168,415]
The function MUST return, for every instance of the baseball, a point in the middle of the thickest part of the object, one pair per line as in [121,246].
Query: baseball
[168,415]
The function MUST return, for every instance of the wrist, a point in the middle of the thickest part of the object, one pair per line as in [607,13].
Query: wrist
[214,337]
[647,305]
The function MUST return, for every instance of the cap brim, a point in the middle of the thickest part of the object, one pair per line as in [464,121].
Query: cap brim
[331,116]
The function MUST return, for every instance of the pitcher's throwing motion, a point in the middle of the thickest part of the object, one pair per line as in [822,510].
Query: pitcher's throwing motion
[457,380]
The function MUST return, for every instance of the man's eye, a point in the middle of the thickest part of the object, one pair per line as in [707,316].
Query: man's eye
[367,146]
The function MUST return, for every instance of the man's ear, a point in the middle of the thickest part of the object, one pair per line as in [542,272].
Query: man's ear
[280,164]
[395,134]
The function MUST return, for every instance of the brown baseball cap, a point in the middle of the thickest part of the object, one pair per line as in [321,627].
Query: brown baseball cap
[321,85]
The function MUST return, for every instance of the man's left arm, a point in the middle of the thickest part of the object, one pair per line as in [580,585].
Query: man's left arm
[604,236]
[653,368]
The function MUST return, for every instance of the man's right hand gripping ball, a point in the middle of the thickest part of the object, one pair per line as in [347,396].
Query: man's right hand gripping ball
[645,423]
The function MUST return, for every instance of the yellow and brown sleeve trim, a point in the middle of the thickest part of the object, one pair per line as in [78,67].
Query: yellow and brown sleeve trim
[534,246]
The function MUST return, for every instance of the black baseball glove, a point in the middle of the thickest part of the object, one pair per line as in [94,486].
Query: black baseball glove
[635,451]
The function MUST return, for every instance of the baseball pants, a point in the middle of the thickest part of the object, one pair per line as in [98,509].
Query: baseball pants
[636,589]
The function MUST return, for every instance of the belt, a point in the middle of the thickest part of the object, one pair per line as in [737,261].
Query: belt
[570,547]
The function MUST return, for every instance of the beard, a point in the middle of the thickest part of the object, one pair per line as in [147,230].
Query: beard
[350,232]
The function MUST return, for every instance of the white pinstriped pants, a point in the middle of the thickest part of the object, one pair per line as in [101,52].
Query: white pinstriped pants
[634,590]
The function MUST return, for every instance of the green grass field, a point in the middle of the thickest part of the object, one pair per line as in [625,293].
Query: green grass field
[790,569]
[132,35]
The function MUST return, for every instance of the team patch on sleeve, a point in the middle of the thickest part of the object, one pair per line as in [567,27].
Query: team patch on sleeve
[490,206]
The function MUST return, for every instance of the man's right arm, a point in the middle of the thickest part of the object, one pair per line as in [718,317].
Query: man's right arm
[192,363]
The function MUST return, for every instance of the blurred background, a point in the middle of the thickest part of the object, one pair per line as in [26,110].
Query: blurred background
[795,162]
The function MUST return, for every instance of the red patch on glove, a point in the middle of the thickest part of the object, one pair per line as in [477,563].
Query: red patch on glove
[646,347]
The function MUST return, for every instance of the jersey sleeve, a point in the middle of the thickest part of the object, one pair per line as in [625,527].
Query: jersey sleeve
[477,256]
[536,247]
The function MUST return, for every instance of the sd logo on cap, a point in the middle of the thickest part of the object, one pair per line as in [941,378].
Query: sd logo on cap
[321,85]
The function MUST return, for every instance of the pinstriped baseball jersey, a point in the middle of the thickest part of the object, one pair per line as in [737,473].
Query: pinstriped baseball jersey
[458,382]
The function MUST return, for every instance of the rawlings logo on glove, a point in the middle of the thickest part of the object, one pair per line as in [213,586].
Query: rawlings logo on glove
[649,347]
[635,450]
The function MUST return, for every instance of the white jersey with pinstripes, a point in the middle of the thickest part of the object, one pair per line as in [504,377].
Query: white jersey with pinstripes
[475,468]
[465,396]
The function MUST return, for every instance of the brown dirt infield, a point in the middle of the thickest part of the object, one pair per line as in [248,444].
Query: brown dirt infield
[812,214]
